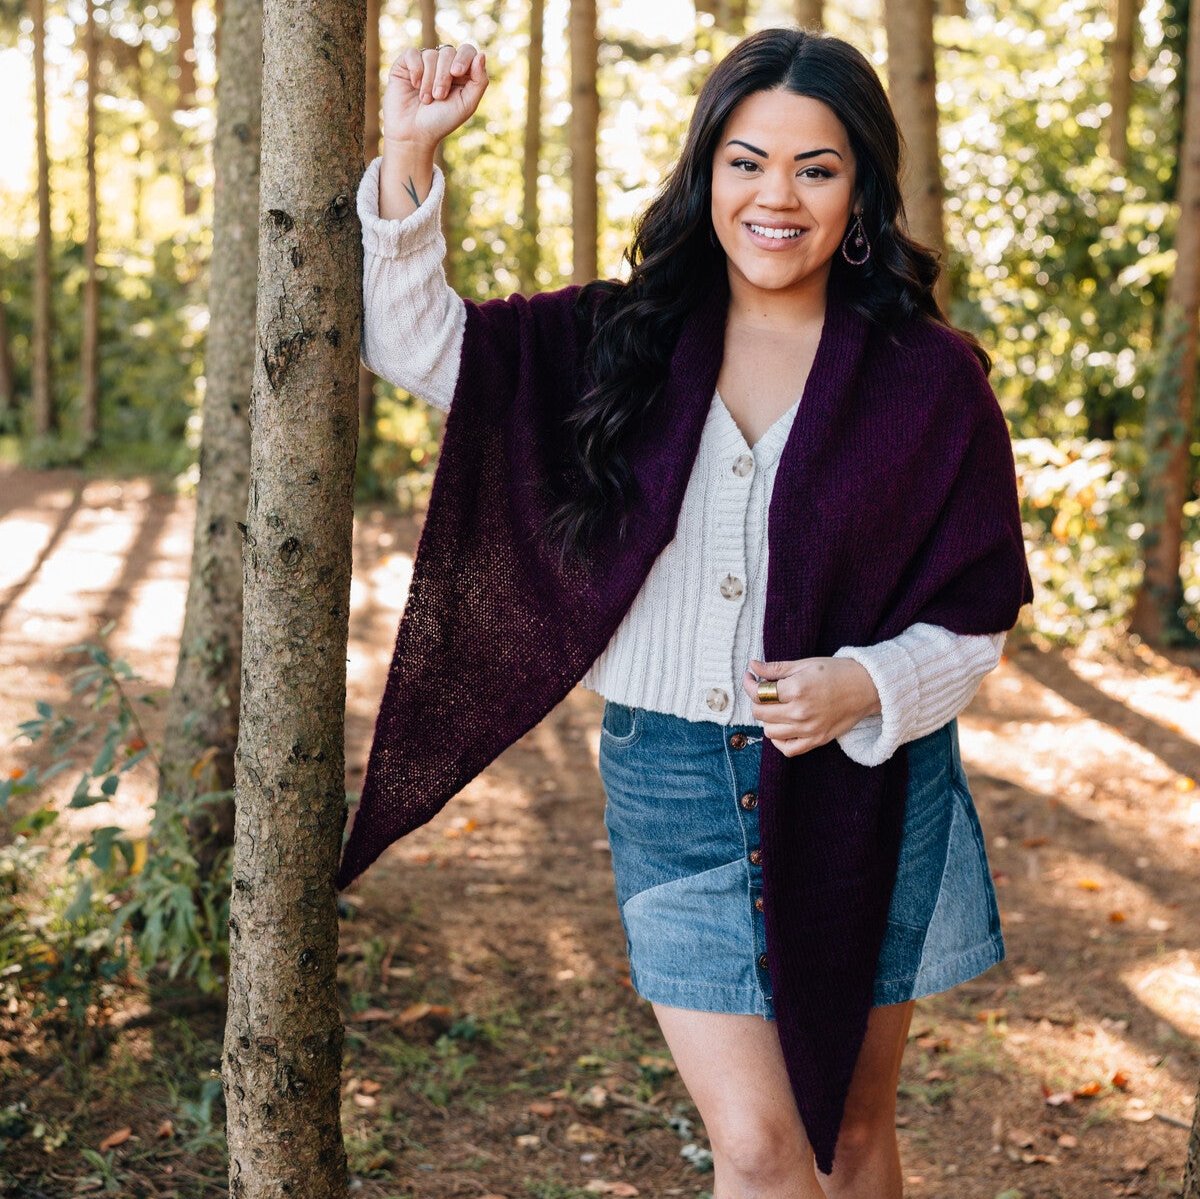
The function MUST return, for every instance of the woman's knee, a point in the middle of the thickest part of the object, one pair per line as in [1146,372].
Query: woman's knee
[760,1153]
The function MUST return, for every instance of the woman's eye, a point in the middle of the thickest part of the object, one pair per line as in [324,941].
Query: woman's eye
[804,173]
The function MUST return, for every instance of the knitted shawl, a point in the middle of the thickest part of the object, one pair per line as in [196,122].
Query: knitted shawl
[895,501]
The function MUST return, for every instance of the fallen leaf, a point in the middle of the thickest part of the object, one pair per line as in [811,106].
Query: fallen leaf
[1185,784]
[529,1140]
[1035,842]
[1045,1158]
[1089,884]
[1019,1137]
[1059,1098]
[165,1129]
[984,1015]
[598,1186]
[115,1138]
[371,1014]
[540,1108]
[1067,1141]
[1116,917]
[595,1096]
[586,1134]
[365,1101]
[1088,1090]
[1139,1165]
[369,1086]
[418,1011]
[1120,1080]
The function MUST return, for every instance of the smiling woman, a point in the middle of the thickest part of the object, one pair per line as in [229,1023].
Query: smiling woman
[766,443]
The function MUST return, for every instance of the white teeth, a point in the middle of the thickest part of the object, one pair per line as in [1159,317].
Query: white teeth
[777,234]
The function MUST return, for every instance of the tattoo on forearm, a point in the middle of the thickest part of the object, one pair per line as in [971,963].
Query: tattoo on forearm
[411,188]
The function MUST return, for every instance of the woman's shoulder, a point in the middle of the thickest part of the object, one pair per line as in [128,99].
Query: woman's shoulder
[938,354]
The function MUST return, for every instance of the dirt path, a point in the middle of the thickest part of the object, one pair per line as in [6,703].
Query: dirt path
[546,1076]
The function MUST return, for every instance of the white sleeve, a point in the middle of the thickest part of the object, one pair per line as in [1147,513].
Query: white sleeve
[925,676]
[413,320]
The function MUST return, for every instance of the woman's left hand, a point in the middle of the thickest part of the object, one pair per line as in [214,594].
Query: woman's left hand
[819,699]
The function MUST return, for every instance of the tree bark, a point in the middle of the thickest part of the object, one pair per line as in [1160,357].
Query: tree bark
[912,80]
[283,1035]
[810,13]
[371,135]
[8,386]
[1120,88]
[952,8]
[585,122]
[530,210]
[90,350]
[186,60]
[201,725]
[45,412]
[1166,484]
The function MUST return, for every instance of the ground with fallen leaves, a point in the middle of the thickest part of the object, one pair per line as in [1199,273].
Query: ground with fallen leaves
[494,1047]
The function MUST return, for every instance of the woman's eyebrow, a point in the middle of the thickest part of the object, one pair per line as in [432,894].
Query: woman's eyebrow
[733,141]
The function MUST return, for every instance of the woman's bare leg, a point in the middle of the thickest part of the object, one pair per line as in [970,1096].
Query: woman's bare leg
[732,1066]
[866,1163]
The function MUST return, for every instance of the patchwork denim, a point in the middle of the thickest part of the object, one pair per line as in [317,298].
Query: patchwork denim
[682,821]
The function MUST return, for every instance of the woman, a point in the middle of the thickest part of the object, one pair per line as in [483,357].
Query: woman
[781,232]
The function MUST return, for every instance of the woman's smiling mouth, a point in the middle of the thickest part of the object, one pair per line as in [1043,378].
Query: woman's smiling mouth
[773,237]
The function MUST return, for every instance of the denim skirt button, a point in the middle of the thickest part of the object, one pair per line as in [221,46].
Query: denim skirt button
[750,801]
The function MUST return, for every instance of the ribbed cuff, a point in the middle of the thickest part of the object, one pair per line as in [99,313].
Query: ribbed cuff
[875,738]
[400,236]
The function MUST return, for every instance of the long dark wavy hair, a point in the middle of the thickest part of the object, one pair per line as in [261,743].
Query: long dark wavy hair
[632,326]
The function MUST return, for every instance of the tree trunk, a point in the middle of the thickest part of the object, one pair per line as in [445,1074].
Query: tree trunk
[201,725]
[1166,484]
[283,1035]
[912,81]
[810,13]
[585,122]
[952,8]
[186,59]
[1191,1173]
[45,413]
[8,384]
[371,135]
[530,210]
[90,351]
[1120,88]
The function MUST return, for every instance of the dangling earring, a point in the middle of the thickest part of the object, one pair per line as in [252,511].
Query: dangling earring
[858,240]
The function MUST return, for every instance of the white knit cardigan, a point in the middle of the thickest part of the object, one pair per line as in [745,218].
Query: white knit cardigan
[697,621]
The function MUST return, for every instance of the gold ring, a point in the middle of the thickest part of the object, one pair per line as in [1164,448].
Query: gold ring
[768,691]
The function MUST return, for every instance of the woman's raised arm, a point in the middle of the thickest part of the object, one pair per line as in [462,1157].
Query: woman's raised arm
[412,320]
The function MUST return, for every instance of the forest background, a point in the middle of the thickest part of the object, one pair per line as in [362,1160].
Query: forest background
[1058,256]
[1048,161]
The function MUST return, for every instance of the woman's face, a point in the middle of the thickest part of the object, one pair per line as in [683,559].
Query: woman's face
[783,163]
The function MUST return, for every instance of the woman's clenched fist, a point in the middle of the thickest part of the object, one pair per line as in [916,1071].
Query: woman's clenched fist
[430,93]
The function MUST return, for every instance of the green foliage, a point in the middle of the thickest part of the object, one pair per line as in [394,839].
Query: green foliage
[1083,521]
[123,904]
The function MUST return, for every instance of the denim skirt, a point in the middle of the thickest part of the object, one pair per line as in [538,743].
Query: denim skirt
[682,821]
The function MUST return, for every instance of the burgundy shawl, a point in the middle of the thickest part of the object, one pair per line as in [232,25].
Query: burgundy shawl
[895,501]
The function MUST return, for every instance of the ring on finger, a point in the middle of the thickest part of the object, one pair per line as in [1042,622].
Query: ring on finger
[768,691]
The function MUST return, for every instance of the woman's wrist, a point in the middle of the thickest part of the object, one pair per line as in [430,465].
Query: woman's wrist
[405,177]
[867,694]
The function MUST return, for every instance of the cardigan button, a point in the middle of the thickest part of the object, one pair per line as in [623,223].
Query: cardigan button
[758,904]
[750,801]
[743,464]
[731,587]
[717,699]
[738,740]
[756,857]
[762,960]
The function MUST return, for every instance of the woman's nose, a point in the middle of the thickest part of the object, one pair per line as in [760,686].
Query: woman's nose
[775,189]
